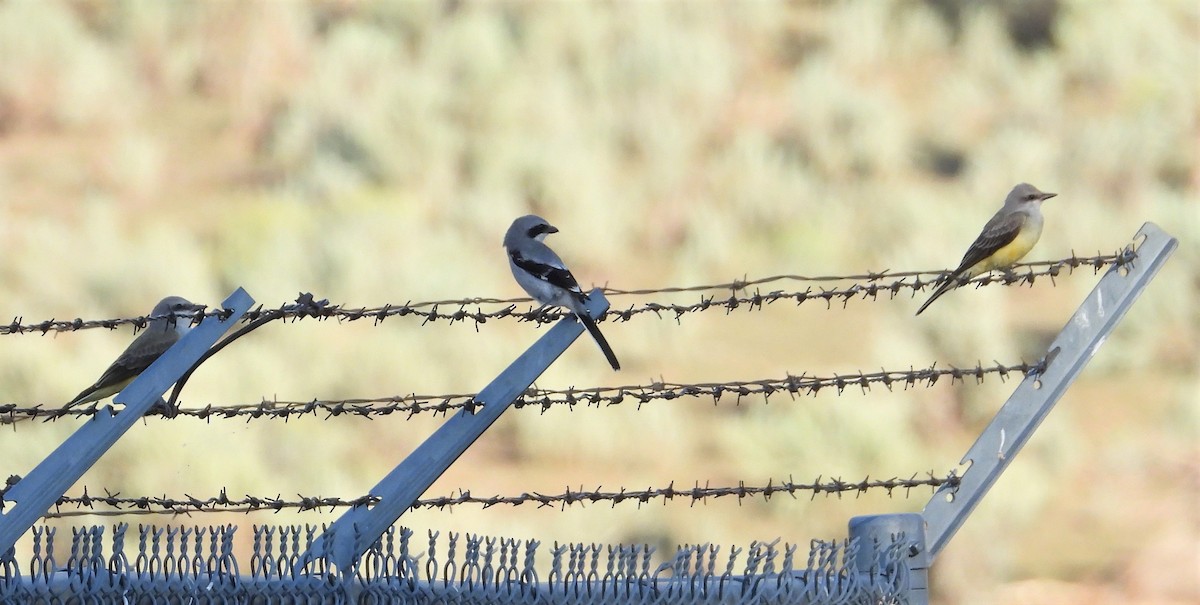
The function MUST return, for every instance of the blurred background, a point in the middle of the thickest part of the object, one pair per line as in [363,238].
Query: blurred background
[376,153]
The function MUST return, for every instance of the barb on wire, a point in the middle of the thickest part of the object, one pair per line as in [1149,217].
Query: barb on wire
[115,504]
[545,399]
[305,306]
[869,286]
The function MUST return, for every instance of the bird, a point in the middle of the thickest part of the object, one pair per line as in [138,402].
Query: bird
[163,331]
[542,274]
[1005,239]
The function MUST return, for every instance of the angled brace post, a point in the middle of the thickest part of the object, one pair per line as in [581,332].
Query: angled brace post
[1032,400]
[354,532]
[47,482]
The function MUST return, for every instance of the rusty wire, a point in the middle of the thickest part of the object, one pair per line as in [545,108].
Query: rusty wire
[869,286]
[698,494]
[545,399]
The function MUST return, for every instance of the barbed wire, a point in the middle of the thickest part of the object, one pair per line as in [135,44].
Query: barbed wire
[545,399]
[868,286]
[152,505]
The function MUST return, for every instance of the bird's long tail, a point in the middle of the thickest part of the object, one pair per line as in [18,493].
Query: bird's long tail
[82,397]
[946,286]
[599,338]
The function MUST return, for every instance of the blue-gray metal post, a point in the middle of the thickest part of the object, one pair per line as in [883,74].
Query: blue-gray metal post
[354,532]
[1036,395]
[46,483]
[875,533]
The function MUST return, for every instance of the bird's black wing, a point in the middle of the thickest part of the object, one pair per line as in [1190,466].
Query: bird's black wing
[553,273]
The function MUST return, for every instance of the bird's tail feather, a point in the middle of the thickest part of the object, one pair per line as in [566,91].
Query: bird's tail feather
[594,330]
[82,397]
[942,289]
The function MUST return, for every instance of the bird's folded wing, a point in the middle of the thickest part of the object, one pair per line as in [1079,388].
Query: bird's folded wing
[996,235]
[550,271]
[127,366]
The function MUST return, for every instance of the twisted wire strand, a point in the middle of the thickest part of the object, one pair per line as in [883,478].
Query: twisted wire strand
[116,504]
[868,286]
[545,399]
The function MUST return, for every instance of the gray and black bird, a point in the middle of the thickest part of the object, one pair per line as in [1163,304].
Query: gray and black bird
[540,272]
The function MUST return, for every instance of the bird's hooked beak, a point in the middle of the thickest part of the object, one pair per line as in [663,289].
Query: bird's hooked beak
[541,237]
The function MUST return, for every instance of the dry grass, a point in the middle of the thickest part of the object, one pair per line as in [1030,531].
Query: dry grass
[376,152]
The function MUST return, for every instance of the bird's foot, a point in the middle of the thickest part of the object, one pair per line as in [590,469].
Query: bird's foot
[161,408]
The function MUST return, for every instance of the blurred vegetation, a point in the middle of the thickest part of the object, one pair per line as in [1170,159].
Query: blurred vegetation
[376,152]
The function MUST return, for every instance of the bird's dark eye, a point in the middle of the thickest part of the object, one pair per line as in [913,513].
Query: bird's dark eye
[1031,197]
[538,230]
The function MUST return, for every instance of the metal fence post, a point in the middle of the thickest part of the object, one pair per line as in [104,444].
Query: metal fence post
[354,532]
[876,533]
[1033,399]
[36,492]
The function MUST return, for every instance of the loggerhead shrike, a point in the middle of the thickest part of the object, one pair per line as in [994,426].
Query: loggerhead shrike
[542,274]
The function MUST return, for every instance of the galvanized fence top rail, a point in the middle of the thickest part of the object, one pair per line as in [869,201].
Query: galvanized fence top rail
[182,563]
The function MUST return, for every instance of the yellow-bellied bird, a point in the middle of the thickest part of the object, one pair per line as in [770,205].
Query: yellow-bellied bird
[1008,237]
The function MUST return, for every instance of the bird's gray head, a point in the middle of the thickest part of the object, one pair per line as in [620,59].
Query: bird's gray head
[530,226]
[174,304]
[1025,193]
